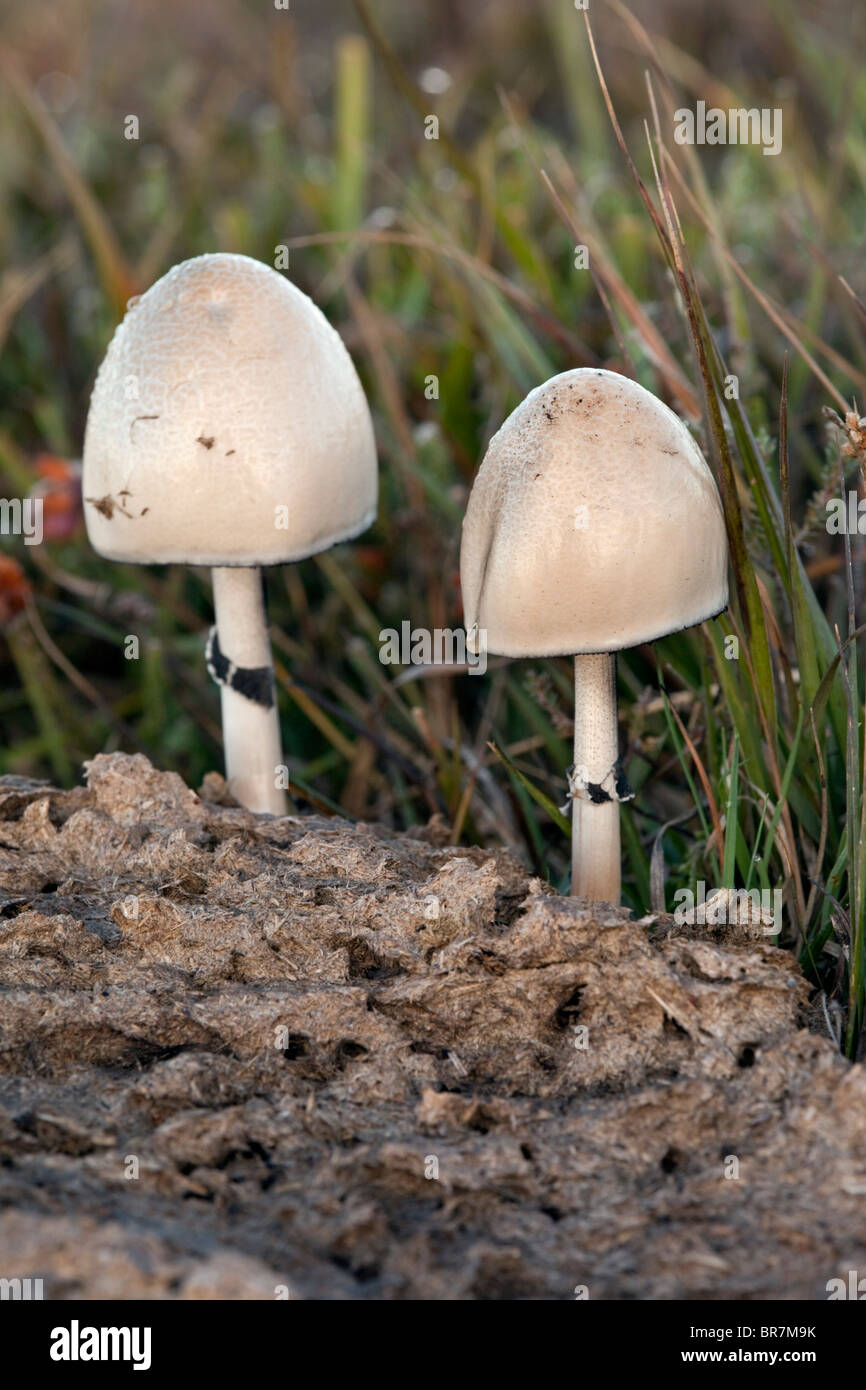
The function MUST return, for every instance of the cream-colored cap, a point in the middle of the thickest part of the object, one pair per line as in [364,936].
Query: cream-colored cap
[594,524]
[227,425]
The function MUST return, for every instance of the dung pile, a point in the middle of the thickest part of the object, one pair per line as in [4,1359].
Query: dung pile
[241,1056]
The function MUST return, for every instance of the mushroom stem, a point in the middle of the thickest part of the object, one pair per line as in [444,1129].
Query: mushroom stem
[251,727]
[595,848]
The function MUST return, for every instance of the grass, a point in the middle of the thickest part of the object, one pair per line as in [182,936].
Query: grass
[448,266]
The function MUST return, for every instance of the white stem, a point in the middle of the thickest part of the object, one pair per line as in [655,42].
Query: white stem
[251,733]
[595,851]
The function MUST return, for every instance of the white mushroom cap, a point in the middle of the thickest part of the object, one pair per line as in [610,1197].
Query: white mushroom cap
[594,524]
[225,395]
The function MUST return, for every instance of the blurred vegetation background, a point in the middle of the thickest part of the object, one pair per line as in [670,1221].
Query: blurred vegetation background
[448,267]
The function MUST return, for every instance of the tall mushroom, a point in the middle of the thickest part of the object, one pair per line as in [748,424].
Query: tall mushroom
[594,524]
[228,428]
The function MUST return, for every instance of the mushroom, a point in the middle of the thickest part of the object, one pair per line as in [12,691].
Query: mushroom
[228,428]
[594,524]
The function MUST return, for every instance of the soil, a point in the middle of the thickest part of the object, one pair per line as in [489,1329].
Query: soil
[252,1057]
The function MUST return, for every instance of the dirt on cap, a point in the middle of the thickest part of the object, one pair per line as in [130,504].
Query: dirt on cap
[244,1057]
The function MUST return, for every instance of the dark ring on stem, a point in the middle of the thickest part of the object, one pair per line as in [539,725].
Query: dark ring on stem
[597,792]
[255,683]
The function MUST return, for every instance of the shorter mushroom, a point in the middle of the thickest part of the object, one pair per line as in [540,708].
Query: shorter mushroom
[594,524]
[228,428]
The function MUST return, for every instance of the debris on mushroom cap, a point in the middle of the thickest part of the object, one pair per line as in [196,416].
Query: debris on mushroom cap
[594,523]
[227,425]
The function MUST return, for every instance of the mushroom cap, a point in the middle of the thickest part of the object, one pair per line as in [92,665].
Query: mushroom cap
[594,524]
[225,396]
